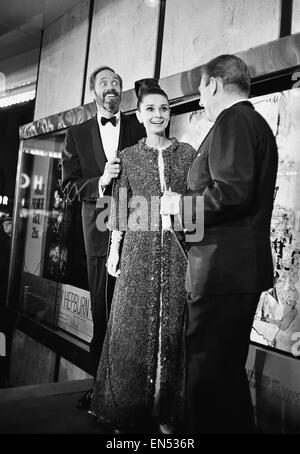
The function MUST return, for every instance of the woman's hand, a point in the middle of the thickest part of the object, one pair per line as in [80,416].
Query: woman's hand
[112,264]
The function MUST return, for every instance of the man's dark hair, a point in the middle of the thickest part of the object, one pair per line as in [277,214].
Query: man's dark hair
[98,70]
[231,69]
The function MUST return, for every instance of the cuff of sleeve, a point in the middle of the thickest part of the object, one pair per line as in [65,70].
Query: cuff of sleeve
[101,188]
[170,204]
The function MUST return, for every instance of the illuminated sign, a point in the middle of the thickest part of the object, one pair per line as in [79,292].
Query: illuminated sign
[3,200]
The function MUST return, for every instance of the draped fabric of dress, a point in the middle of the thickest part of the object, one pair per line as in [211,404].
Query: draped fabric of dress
[146,323]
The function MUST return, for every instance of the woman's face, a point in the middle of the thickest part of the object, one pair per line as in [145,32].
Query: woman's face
[154,113]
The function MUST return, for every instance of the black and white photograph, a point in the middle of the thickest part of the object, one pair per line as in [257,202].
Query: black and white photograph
[150,220]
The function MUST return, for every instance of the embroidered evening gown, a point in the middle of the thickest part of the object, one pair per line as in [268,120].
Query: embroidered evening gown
[146,326]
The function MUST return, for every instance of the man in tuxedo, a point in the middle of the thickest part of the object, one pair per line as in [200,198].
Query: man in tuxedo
[235,172]
[89,166]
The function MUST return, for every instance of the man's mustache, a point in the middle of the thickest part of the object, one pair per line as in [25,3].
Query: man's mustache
[110,92]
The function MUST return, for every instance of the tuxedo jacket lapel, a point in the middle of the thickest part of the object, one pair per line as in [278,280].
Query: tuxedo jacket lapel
[97,145]
[124,133]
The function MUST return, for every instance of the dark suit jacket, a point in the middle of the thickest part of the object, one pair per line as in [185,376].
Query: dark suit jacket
[83,163]
[235,170]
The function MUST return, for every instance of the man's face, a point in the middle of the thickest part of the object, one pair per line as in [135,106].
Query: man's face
[7,227]
[107,91]
[206,92]
[54,254]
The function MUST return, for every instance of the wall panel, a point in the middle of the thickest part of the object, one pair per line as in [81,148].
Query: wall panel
[64,47]
[68,372]
[31,362]
[124,35]
[296,17]
[198,30]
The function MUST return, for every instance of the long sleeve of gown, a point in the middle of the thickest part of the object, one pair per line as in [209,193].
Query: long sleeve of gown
[115,241]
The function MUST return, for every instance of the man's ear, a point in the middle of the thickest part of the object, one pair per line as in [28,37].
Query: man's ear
[218,84]
[213,85]
[138,116]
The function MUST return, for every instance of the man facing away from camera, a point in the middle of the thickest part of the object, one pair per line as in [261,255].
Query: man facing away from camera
[235,172]
[90,164]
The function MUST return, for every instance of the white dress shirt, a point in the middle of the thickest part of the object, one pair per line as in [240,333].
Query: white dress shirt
[110,140]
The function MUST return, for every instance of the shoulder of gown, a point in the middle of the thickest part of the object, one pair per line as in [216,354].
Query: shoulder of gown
[128,152]
[187,149]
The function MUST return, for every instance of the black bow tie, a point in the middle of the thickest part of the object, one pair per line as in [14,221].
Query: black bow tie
[112,120]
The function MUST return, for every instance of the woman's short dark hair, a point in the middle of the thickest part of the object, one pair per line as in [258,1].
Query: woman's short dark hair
[97,71]
[145,87]
[231,69]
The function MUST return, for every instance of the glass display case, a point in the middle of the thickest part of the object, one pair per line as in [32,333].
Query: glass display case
[48,277]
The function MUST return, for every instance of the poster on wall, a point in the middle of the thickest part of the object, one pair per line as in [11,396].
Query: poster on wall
[277,320]
[37,216]
[55,250]
[191,127]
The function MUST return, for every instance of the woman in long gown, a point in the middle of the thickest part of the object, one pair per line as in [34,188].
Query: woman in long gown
[141,370]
